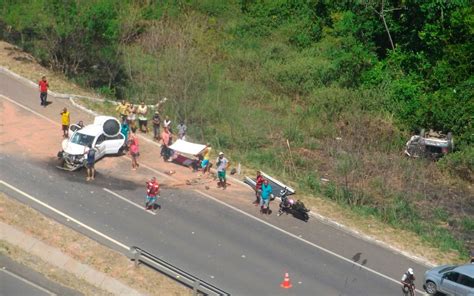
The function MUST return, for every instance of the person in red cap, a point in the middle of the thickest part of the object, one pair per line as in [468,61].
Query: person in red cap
[152,192]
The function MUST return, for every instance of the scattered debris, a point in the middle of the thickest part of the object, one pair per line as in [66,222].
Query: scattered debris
[170,172]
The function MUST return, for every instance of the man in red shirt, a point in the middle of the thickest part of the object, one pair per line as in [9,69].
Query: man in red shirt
[152,191]
[43,88]
[258,187]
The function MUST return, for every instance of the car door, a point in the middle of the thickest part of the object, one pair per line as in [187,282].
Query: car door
[466,285]
[449,283]
[113,144]
[100,145]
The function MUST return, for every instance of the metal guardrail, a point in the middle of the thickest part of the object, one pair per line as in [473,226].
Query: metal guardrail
[199,286]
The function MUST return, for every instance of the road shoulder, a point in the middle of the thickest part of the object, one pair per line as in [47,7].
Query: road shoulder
[70,258]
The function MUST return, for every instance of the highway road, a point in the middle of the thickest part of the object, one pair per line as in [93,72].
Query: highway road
[222,240]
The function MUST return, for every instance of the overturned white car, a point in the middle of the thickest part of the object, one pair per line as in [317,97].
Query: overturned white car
[104,135]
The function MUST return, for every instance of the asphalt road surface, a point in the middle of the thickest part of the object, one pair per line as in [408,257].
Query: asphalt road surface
[220,241]
[18,280]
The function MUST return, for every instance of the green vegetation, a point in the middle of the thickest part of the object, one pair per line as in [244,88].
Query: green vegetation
[302,89]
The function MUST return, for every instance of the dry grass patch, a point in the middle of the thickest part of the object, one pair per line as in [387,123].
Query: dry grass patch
[51,272]
[86,250]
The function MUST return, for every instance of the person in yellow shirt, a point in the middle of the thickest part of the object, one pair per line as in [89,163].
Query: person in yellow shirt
[123,110]
[205,164]
[65,121]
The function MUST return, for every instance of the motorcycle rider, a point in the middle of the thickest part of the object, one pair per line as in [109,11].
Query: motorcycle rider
[152,191]
[408,282]
[285,202]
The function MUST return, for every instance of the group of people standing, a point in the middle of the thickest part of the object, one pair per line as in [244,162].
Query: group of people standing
[263,193]
[129,113]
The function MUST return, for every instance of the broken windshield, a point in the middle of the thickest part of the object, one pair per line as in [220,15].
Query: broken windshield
[83,140]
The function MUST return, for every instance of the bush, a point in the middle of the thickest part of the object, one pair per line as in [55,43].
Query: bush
[460,163]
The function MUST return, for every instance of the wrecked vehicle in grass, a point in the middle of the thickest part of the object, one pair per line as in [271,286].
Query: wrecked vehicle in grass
[431,145]
[104,135]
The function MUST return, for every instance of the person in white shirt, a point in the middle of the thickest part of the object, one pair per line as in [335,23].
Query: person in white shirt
[222,165]
[167,123]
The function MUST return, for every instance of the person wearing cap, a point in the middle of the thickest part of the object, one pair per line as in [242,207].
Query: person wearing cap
[222,165]
[408,281]
[156,125]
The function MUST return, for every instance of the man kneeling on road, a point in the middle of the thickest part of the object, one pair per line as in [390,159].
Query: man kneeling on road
[152,191]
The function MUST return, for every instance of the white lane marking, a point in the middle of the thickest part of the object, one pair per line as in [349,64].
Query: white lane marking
[65,215]
[28,109]
[301,239]
[27,281]
[129,201]
[242,212]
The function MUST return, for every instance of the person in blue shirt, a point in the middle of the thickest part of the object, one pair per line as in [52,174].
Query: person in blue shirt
[265,197]
[125,131]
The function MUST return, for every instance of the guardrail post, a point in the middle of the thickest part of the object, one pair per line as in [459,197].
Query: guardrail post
[196,287]
[136,257]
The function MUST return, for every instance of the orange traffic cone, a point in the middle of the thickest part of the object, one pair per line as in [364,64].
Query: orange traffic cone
[286,284]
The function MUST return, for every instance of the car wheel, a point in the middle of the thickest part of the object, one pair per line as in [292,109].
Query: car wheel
[430,288]
[121,151]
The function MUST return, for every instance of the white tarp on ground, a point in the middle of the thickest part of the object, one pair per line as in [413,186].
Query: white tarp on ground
[187,147]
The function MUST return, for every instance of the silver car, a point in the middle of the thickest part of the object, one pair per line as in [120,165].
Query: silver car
[450,279]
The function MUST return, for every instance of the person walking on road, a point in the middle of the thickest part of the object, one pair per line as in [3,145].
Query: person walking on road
[90,162]
[134,151]
[258,188]
[182,129]
[222,165]
[152,193]
[265,197]
[43,89]
[122,109]
[142,112]
[65,122]
[156,120]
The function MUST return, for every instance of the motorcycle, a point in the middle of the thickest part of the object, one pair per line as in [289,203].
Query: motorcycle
[408,290]
[289,206]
